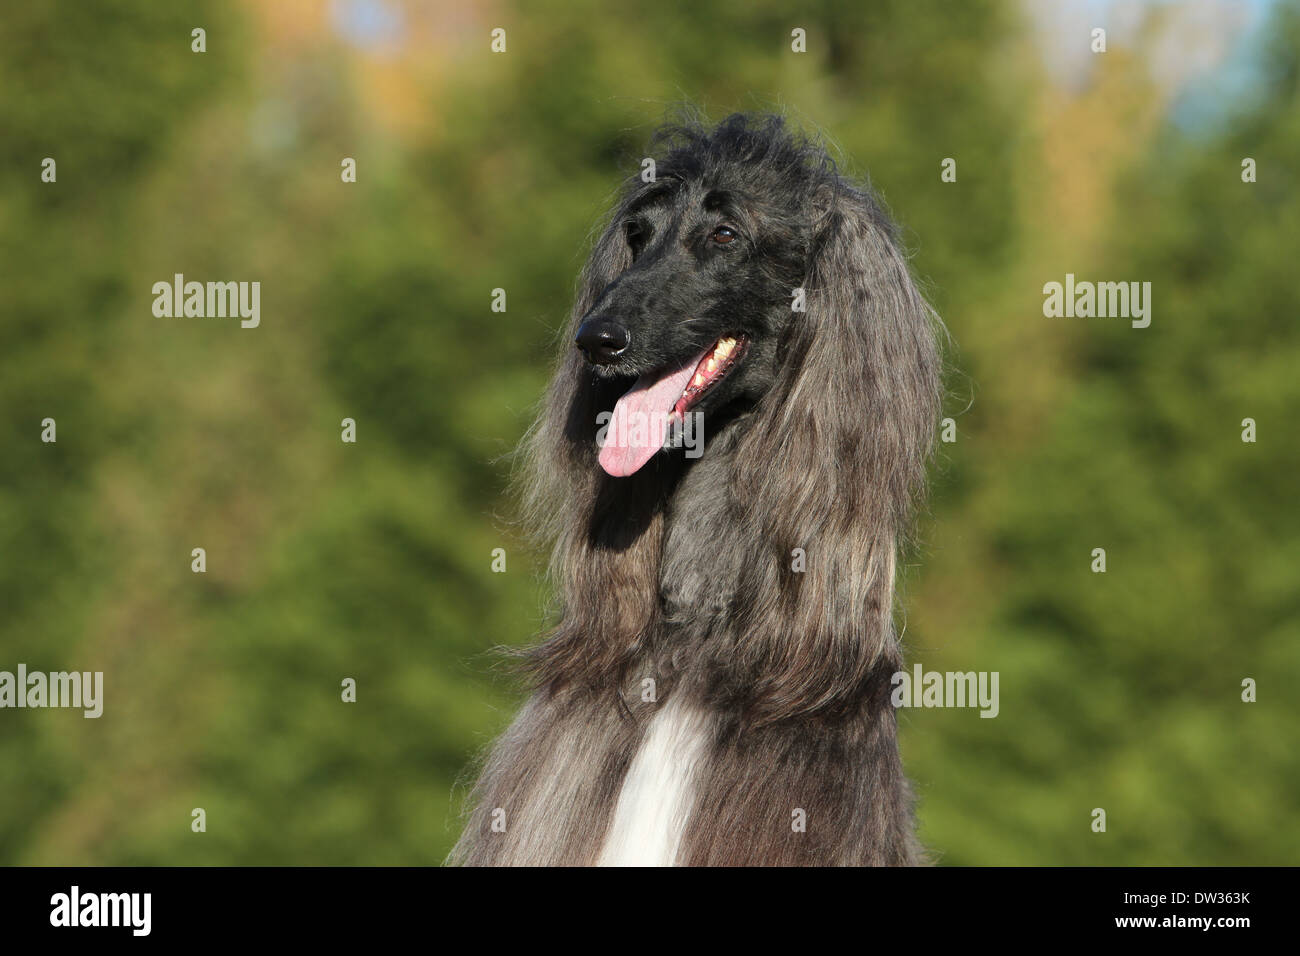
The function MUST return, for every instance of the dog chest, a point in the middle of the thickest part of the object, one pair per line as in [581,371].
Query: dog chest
[658,791]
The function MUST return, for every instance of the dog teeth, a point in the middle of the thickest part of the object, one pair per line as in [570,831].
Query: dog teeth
[721,352]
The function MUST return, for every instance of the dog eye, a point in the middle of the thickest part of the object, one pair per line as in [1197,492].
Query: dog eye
[723,235]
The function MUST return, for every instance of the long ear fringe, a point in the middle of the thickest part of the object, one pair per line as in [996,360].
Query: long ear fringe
[569,504]
[833,465]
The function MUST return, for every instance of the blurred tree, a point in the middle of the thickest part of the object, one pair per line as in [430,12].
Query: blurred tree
[371,560]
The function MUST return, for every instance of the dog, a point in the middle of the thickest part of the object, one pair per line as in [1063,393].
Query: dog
[716,688]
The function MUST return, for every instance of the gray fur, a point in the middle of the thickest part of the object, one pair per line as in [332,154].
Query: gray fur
[682,572]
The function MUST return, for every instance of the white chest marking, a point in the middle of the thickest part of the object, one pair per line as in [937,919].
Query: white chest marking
[658,791]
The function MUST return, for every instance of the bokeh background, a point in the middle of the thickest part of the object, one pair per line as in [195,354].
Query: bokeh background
[479,170]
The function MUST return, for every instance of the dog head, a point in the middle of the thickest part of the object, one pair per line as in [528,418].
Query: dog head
[709,258]
[714,278]
[749,285]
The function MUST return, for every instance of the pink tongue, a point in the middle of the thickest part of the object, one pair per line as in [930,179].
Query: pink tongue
[639,424]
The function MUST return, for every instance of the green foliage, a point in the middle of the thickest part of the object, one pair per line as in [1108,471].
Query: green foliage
[372,561]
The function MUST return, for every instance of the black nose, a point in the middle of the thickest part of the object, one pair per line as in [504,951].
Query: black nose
[602,341]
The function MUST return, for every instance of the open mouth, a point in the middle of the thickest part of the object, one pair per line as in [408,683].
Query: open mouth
[711,369]
[658,402]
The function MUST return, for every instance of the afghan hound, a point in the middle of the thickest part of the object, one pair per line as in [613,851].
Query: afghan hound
[723,467]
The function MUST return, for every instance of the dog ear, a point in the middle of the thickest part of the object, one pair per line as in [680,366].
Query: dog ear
[559,448]
[832,465]
[568,401]
[600,530]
